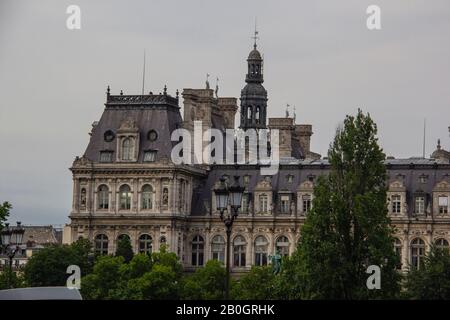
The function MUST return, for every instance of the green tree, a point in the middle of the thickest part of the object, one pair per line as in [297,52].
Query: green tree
[432,280]
[207,283]
[348,228]
[124,249]
[16,279]
[5,209]
[259,284]
[106,279]
[145,277]
[48,266]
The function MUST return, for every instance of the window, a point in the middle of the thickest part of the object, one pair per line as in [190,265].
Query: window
[306,202]
[101,244]
[284,204]
[125,197]
[106,156]
[423,179]
[263,203]
[83,198]
[398,251]
[150,156]
[396,204]
[246,180]
[249,113]
[261,251]
[289,178]
[443,204]
[103,197]
[218,248]
[417,252]
[257,114]
[127,149]
[109,136]
[419,205]
[197,251]
[147,197]
[282,246]
[239,245]
[441,244]
[145,244]
[152,135]
[245,202]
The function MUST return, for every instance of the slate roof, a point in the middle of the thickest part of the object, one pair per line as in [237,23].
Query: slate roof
[157,112]
[40,235]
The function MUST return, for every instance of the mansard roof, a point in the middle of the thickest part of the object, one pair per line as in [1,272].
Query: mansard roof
[148,112]
[408,171]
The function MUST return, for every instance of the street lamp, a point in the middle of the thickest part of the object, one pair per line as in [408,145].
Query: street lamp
[11,240]
[225,195]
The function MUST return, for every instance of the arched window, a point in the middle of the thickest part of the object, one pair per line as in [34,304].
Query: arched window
[197,251]
[147,197]
[123,236]
[127,149]
[417,252]
[398,251]
[249,112]
[145,244]
[218,248]
[103,197]
[261,251]
[282,246]
[83,198]
[101,244]
[125,197]
[263,203]
[257,114]
[239,246]
[162,241]
[442,244]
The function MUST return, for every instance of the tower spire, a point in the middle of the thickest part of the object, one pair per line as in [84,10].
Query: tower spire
[255,36]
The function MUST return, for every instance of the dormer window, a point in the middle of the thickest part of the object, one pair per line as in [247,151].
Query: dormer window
[419,204]
[106,156]
[150,155]
[443,204]
[127,149]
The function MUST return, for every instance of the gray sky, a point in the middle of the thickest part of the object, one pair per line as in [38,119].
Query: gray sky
[319,56]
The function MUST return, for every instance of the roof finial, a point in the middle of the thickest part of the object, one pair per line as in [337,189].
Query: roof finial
[165,89]
[287,110]
[439,144]
[177,94]
[108,90]
[217,87]
[207,81]
[294,115]
[121,92]
[255,36]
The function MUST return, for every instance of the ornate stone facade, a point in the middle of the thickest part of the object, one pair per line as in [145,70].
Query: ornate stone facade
[126,185]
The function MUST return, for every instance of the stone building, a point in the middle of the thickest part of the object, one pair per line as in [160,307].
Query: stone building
[125,184]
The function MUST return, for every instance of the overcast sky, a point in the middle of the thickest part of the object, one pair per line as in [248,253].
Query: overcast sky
[319,56]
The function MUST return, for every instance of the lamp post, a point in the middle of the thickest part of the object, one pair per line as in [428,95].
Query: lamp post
[228,195]
[11,240]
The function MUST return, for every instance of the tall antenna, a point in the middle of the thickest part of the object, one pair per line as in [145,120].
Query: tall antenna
[143,76]
[424,128]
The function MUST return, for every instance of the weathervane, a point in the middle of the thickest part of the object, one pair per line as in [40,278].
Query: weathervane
[255,36]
